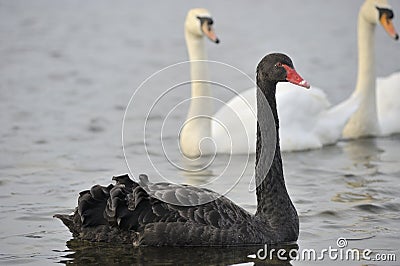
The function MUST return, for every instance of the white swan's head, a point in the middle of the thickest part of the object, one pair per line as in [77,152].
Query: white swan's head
[200,23]
[379,11]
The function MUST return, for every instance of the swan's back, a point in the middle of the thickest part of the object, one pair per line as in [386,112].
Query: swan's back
[234,123]
[300,115]
[388,103]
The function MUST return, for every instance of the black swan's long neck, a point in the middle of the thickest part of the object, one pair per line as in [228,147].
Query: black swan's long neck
[274,204]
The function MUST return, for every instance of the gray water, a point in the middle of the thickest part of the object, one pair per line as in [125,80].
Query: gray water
[69,68]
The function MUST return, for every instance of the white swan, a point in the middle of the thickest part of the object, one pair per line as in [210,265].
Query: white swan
[197,126]
[320,124]
[378,108]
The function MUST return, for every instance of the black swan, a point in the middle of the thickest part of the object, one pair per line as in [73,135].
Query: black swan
[126,213]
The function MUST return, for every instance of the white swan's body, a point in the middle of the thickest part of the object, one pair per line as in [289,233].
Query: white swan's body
[388,98]
[368,111]
[238,117]
[318,124]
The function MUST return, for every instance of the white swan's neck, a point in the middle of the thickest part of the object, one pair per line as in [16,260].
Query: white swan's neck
[364,121]
[198,121]
[198,69]
[366,57]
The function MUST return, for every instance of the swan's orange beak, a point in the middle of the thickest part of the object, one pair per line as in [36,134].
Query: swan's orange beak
[209,32]
[388,26]
[293,77]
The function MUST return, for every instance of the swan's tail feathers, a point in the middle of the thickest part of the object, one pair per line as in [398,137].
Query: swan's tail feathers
[332,122]
[99,208]
[72,221]
[125,180]
[90,210]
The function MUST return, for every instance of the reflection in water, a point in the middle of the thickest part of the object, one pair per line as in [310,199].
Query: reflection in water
[197,171]
[368,196]
[364,155]
[363,151]
[92,253]
[352,197]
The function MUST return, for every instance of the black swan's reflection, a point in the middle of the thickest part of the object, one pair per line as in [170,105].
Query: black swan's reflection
[85,253]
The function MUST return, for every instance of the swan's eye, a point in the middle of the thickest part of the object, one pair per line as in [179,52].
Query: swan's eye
[387,11]
[279,64]
[207,20]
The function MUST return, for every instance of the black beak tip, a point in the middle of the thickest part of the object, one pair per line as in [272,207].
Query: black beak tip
[217,40]
[396,37]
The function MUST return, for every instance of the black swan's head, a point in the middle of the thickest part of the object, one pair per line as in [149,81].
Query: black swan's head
[276,67]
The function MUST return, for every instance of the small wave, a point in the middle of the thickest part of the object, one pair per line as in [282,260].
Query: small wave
[372,208]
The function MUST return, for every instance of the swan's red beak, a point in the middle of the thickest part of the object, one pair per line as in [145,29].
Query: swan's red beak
[293,77]
[388,26]
[209,32]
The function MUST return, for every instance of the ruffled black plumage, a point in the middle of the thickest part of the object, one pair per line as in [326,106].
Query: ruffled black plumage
[141,219]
